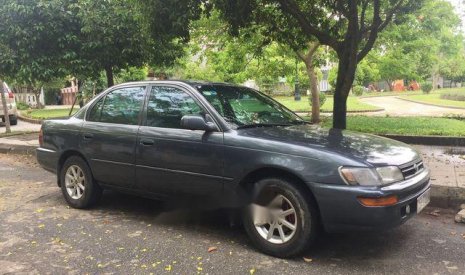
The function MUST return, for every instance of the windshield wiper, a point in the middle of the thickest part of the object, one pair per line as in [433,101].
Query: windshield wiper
[256,125]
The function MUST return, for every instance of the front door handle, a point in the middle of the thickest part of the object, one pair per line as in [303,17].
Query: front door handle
[88,136]
[147,142]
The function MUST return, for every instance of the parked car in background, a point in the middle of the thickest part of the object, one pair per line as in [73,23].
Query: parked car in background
[11,104]
[166,139]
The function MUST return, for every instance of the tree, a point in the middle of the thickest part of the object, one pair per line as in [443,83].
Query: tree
[213,54]
[110,38]
[349,27]
[35,47]
[309,60]
[424,44]
[54,39]
[454,67]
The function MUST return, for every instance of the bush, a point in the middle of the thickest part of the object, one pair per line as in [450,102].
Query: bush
[330,92]
[458,96]
[426,87]
[358,90]
[322,100]
[22,106]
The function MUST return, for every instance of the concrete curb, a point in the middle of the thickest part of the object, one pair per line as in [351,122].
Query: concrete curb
[30,120]
[18,149]
[429,140]
[430,104]
[349,112]
[447,197]
[356,112]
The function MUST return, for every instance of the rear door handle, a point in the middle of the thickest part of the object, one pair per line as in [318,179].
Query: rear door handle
[88,136]
[147,142]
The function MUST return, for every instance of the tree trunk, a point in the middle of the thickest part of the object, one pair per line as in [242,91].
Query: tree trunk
[5,109]
[389,83]
[345,79]
[308,60]
[315,91]
[109,73]
[37,95]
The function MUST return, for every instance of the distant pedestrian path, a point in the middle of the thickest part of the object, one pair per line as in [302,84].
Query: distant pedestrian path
[397,107]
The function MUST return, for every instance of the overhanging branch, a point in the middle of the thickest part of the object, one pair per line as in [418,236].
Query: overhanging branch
[290,7]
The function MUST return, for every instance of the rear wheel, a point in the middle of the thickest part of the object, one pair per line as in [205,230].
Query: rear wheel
[13,120]
[77,184]
[282,221]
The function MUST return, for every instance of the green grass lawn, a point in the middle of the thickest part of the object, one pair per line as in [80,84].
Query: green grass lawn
[404,125]
[353,104]
[435,99]
[48,113]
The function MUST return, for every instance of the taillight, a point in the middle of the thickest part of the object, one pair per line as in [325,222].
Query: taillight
[11,95]
[41,138]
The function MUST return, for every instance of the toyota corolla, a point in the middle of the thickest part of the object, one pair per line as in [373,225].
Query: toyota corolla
[165,139]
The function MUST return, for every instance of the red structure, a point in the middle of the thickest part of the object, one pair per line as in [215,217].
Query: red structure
[68,95]
[399,86]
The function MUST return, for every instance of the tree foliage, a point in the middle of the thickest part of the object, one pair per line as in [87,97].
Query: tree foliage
[213,54]
[34,43]
[42,40]
[420,45]
[349,27]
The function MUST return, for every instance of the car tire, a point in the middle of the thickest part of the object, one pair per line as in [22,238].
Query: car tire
[280,196]
[78,185]
[13,120]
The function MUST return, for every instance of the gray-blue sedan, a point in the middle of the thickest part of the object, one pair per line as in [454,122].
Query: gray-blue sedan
[166,139]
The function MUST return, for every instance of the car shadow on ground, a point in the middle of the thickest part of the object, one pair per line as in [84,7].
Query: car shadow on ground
[217,223]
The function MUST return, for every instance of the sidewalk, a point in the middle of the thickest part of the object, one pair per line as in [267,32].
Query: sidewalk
[447,165]
[24,144]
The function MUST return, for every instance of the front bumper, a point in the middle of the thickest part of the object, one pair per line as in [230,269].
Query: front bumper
[341,211]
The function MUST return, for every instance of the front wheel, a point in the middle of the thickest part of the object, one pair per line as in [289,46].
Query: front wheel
[77,184]
[282,220]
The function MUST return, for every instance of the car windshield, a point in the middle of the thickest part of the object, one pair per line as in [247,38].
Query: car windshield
[243,107]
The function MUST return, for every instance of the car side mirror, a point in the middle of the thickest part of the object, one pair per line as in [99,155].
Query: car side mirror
[197,123]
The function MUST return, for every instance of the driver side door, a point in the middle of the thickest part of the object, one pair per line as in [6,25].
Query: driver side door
[171,160]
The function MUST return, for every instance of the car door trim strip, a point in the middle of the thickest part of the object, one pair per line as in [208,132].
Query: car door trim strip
[184,172]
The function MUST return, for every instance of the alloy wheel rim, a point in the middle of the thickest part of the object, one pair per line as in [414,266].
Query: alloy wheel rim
[75,182]
[277,221]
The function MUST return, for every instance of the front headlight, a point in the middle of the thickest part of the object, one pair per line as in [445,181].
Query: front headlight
[390,174]
[371,176]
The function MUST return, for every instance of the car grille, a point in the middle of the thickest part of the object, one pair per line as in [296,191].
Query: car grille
[412,170]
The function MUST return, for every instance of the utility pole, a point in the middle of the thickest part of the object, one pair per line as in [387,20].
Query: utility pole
[5,108]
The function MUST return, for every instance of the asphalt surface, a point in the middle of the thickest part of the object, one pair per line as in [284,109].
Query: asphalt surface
[39,234]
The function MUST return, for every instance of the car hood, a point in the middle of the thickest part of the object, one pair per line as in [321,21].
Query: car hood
[362,147]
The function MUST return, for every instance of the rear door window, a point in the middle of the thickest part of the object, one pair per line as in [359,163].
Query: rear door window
[121,106]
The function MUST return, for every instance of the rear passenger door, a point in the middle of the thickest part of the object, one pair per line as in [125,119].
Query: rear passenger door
[109,135]
[172,160]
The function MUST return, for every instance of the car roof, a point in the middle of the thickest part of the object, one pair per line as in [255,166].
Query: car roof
[192,83]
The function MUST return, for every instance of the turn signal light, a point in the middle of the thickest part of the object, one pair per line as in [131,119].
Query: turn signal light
[383,201]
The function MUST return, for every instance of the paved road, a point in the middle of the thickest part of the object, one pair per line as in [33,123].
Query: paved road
[128,235]
[398,107]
